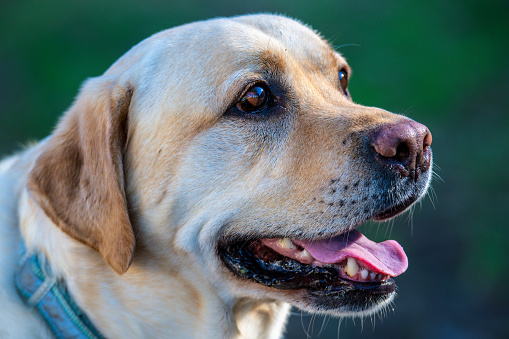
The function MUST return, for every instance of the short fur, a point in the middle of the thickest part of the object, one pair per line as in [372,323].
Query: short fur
[151,168]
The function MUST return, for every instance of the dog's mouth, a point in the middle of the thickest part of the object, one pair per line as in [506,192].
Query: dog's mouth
[345,272]
[349,258]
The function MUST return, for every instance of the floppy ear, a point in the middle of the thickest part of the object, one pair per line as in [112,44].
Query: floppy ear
[78,179]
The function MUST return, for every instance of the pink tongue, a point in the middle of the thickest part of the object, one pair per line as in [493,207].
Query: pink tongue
[386,257]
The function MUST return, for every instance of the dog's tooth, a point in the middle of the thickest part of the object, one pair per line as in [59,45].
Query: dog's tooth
[286,243]
[372,275]
[305,255]
[364,273]
[351,267]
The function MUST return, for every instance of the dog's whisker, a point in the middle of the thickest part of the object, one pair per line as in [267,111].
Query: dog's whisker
[306,332]
[340,320]
[432,196]
[408,110]
[311,325]
[346,45]
[324,324]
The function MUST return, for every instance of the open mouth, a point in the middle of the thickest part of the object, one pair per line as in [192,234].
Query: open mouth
[345,269]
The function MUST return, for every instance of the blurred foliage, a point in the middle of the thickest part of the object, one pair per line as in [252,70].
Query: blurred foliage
[443,63]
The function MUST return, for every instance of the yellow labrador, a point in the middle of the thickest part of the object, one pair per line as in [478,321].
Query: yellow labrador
[210,178]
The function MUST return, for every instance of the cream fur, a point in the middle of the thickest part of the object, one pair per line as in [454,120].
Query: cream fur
[189,176]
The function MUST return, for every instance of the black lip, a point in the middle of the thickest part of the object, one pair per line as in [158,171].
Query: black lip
[395,209]
[287,274]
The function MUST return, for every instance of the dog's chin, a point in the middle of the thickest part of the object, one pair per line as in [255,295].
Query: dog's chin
[286,268]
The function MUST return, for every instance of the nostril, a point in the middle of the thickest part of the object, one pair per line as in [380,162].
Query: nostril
[402,152]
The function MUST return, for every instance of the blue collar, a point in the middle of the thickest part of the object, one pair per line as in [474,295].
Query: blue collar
[51,298]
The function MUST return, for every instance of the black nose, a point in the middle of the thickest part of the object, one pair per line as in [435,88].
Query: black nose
[403,147]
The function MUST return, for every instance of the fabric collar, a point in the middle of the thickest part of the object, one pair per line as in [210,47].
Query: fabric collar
[40,289]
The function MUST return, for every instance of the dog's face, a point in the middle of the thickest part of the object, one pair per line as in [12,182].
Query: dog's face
[232,148]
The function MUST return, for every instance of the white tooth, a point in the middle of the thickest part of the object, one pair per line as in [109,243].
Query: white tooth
[305,255]
[286,243]
[351,267]
[364,273]
[372,275]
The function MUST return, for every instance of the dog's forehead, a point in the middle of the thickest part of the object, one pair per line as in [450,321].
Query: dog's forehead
[203,65]
[290,36]
[245,39]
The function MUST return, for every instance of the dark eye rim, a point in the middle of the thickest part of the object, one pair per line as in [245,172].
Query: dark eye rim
[343,81]
[269,101]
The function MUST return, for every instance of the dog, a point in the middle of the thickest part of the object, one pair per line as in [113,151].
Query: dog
[213,176]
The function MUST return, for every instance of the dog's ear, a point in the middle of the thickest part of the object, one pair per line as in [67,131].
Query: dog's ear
[78,179]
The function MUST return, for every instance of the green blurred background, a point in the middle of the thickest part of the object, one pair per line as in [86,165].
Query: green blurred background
[443,63]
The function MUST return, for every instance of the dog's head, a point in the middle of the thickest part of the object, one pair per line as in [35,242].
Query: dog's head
[232,148]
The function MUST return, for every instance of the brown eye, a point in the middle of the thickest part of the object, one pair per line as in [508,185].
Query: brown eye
[343,81]
[255,99]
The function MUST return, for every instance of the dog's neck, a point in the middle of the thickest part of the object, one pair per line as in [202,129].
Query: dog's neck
[266,319]
[143,302]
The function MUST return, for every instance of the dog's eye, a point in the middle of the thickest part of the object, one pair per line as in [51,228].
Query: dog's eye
[254,100]
[343,81]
